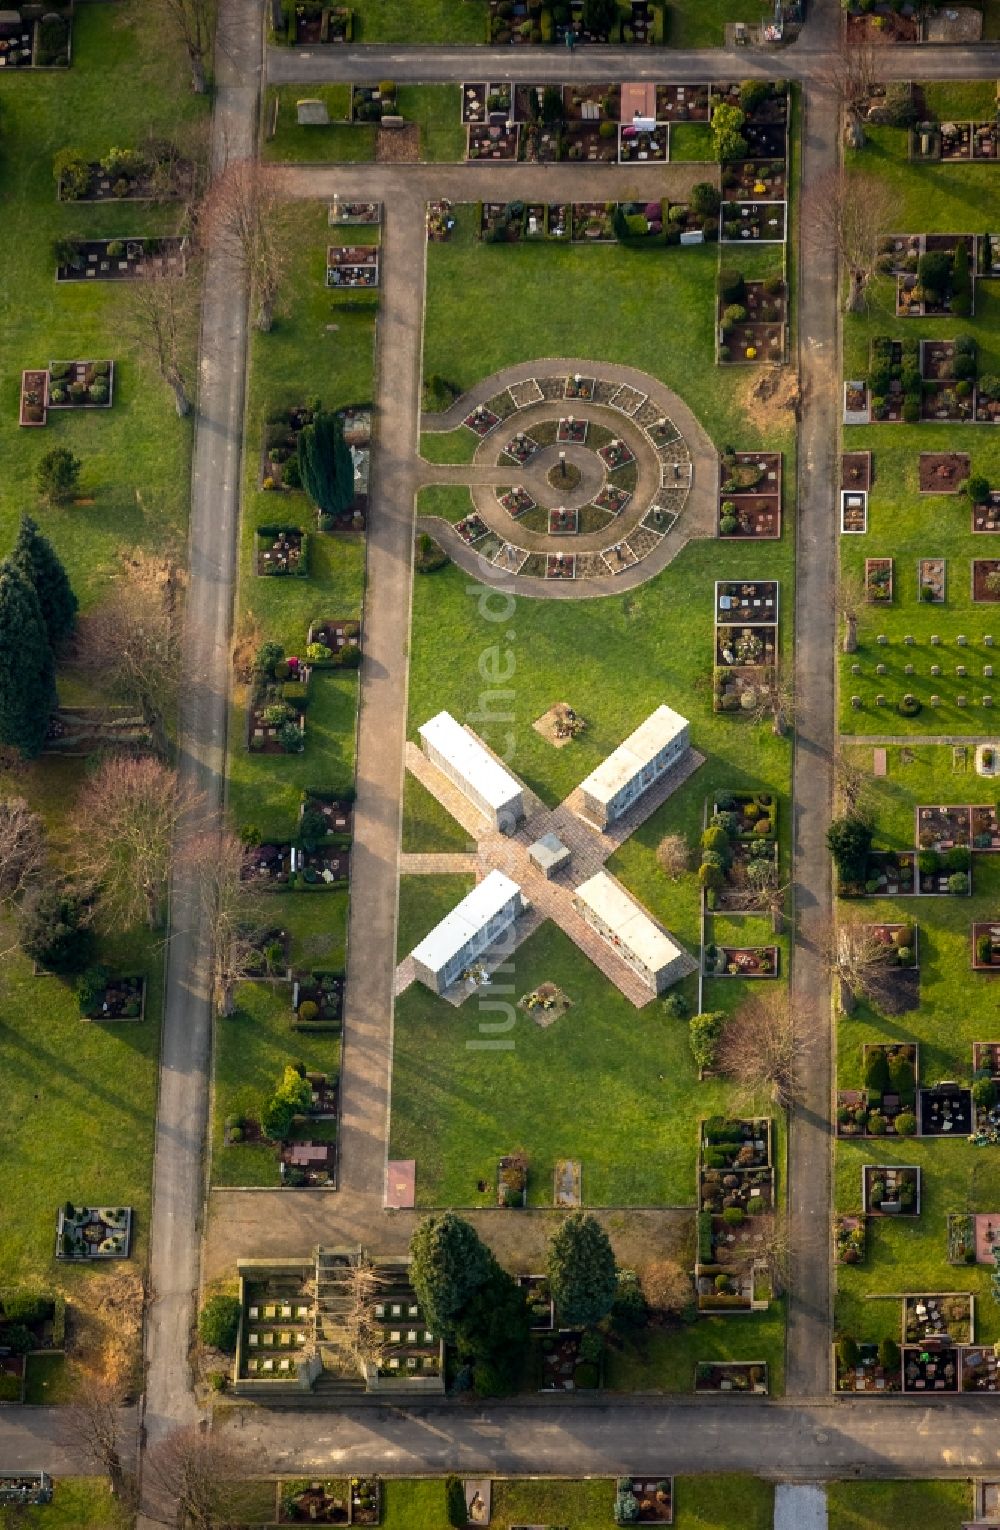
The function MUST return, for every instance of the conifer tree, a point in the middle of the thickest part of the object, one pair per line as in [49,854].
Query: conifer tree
[27,671]
[37,559]
[325,464]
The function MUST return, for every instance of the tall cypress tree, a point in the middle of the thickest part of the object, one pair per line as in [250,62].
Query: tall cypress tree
[326,465]
[27,670]
[37,559]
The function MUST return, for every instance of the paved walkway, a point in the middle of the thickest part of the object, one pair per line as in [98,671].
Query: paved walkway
[810,1143]
[182,1109]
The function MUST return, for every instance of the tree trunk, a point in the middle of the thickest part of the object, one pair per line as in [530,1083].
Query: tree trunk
[850,634]
[265,314]
[856,291]
[181,401]
[778,723]
[152,907]
[198,82]
[227,997]
[855,131]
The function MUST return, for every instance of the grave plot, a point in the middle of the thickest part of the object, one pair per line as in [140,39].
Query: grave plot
[856,471]
[682,103]
[96,1232]
[366,1492]
[611,499]
[321,1503]
[868,1367]
[344,214]
[572,431]
[963,1245]
[472,528]
[520,449]
[754,601]
[886,1105]
[945,872]
[894,381]
[81,384]
[480,101]
[731,1376]
[492,141]
[563,522]
[547,1003]
[307,1165]
[979,1369]
[560,566]
[318,1000]
[931,581]
[878,581]
[567,1183]
[986,580]
[281,550]
[616,454]
[687,225]
[736,1188]
[592,103]
[752,317]
[592,221]
[930,1368]
[269,958]
[580,387]
[370,103]
[564,1366]
[268,865]
[654,1498]
[942,828]
[757,222]
[106,998]
[749,816]
[352,265]
[276,722]
[481,420]
[34,397]
[849,1242]
[890,1190]
[159,174]
[334,643]
[541,1307]
[987,397]
[37,37]
[890,874]
[857,407]
[944,1110]
[559,220]
[936,283]
[281,435]
[638,146]
[942,472]
[748,180]
[323,865]
[985,505]
[516,501]
[512,1179]
[986,1060]
[325,813]
[619,557]
[741,961]
[112,260]
[313,23]
[985,828]
[853,512]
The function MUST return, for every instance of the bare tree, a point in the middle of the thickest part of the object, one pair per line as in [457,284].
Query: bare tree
[158,316]
[230,910]
[854,77]
[673,855]
[237,218]
[775,701]
[763,1050]
[195,1479]
[363,1334]
[769,1243]
[849,213]
[863,964]
[131,641]
[666,1286]
[193,22]
[94,1423]
[22,847]
[853,788]
[128,813]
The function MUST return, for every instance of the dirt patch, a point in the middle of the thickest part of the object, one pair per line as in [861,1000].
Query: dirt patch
[560,725]
[764,399]
[398,145]
[943,472]
[856,471]
[105,1334]
[545,1004]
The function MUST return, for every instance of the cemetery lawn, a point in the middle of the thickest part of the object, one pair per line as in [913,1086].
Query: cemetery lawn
[135,455]
[704,26]
[701,1503]
[252,1048]
[79,1102]
[449,501]
[423,903]
[612,315]
[78,1503]
[425,21]
[427,825]
[436,108]
[910,1254]
[447,446]
[690,141]
[664,1359]
[605,1084]
[897,1505]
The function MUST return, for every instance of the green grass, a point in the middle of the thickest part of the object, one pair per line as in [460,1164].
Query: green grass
[436,108]
[664,1359]
[423,903]
[78,1503]
[265,789]
[79,1104]
[701,1503]
[47,1381]
[253,1047]
[135,456]
[690,141]
[703,26]
[924,196]
[425,21]
[604,1084]
[955,1008]
[447,446]
[960,100]
[450,501]
[426,824]
[898,1505]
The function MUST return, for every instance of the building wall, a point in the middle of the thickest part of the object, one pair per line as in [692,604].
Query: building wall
[474,946]
[503,818]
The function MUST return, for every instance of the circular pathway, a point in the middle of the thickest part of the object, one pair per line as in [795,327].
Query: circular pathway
[648,478]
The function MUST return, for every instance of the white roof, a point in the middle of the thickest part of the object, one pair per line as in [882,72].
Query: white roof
[638,933]
[471,759]
[660,728]
[466,919]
